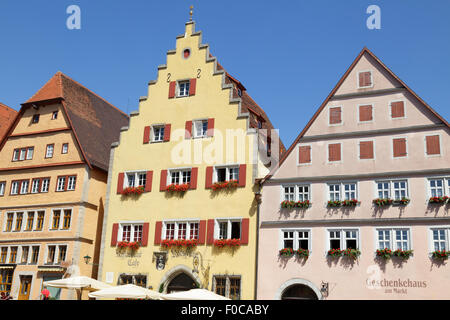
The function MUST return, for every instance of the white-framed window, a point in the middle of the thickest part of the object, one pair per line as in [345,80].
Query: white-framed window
[2,188]
[437,187]
[30,151]
[400,189]
[65,148]
[296,239]
[300,192]
[16,154]
[222,174]
[71,182]
[383,189]
[45,184]
[228,229]
[183,88]
[55,115]
[49,151]
[397,189]
[289,193]
[349,191]
[393,238]
[24,187]
[158,133]
[439,238]
[15,187]
[343,239]
[23,153]
[180,176]
[131,232]
[135,179]
[200,128]
[35,186]
[61,183]
[181,230]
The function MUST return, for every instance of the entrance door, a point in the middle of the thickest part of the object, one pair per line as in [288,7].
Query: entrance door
[299,292]
[25,287]
[181,282]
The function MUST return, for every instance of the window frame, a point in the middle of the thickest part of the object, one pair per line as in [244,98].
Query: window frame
[392,237]
[329,116]
[341,152]
[126,182]
[358,121]
[66,144]
[162,128]
[195,133]
[406,147]
[176,229]
[296,187]
[180,171]
[227,278]
[404,109]
[342,237]
[227,172]
[52,145]
[229,222]
[441,150]
[371,79]
[2,188]
[178,88]
[295,237]
[342,189]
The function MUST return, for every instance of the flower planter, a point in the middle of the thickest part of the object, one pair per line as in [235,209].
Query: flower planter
[350,203]
[179,243]
[402,201]
[133,191]
[336,203]
[404,254]
[440,255]
[302,253]
[438,200]
[286,252]
[177,187]
[335,253]
[382,202]
[220,243]
[228,185]
[288,204]
[126,244]
[352,253]
[299,204]
[385,254]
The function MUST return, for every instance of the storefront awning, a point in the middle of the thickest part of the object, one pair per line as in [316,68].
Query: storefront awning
[51,269]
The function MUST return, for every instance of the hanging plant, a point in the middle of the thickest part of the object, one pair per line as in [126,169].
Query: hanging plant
[133,191]
[352,253]
[232,184]
[336,203]
[126,244]
[302,253]
[177,187]
[288,204]
[179,243]
[438,200]
[385,253]
[303,204]
[440,254]
[382,202]
[350,203]
[286,252]
[404,254]
[220,243]
[335,252]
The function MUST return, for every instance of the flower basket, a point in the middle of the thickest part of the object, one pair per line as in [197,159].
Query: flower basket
[179,243]
[334,253]
[232,184]
[352,253]
[438,200]
[404,254]
[302,253]
[382,202]
[220,243]
[402,201]
[385,253]
[350,203]
[303,204]
[286,252]
[126,244]
[288,204]
[177,187]
[133,191]
[440,254]
[336,203]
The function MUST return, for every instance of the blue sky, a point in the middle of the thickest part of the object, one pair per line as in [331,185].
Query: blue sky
[288,54]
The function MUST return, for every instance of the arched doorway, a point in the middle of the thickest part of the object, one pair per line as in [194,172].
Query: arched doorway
[299,292]
[181,282]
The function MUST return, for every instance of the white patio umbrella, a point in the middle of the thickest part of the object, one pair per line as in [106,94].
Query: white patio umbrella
[193,294]
[77,283]
[127,291]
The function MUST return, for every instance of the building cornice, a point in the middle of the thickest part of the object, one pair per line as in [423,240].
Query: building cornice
[53,204]
[45,239]
[367,93]
[47,165]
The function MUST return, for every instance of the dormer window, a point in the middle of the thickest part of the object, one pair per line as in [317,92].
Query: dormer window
[35,118]
[183,88]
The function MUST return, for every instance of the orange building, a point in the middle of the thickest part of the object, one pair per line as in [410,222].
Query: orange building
[53,171]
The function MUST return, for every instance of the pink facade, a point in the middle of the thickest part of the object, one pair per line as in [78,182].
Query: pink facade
[398,149]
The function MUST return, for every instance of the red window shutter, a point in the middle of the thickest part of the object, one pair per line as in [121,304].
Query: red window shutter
[188,132]
[397,109]
[163,182]
[210,234]
[167,128]
[194,174]
[158,231]
[145,229]
[366,150]
[364,79]
[192,85]
[115,231]
[433,146]
[146,134]
[172,86]
[210,131]
[202,232]
[242,175]
[148,182]
[304,155]
[365,113]
[399,146]
[335,115]
[209,177]
[244,230]
[361,80]
[120,183]
[334,152]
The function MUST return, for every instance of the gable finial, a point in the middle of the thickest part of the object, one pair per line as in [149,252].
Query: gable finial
[190,12]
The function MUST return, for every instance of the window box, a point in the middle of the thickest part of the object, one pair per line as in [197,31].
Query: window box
[350,203]
[335,253]
[133,191]
[440,254]
[352,253]
[286,252]
[177,187]
[438,200]
[179,243]
[288,204]
[302,253]
[220,243]
[385,253]
[382,202]
[125,244]
[404,254]
[403,201]
[336,203]
[231,184]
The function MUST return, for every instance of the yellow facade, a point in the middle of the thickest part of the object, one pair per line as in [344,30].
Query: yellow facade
[212,99]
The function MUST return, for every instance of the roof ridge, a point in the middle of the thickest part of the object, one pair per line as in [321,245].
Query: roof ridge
[57,74]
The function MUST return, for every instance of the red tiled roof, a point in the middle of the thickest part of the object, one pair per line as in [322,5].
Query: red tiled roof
[96,122]
[7,116]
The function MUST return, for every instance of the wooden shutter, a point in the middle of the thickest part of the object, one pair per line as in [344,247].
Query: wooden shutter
[210,131]
[188,128]
[334,152]
[120,183]
[210,234]
[209,177]
[194,174]
[366,150]
[365,113]
[202,232]
[115,231]
[399,146]
[192,85]
[304,154]
[167,128]
[397,109]
[148,181]
[242,175]
[244,230]
[145,229]
[433,146]
[364,79]
[146,134]
[172,87]
[158,231]
[335,115]
[163,181]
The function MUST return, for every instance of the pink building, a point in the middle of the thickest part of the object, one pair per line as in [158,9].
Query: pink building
[372,138]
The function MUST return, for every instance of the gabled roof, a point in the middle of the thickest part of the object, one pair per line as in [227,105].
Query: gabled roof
[95,122]
[332,93]
[7,116]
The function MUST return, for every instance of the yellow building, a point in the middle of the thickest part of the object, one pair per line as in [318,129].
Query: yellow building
[197,129]
[53,173]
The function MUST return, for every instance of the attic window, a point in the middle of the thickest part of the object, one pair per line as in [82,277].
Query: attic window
[239,92]
[186,53]
[55,115]
[35,118]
